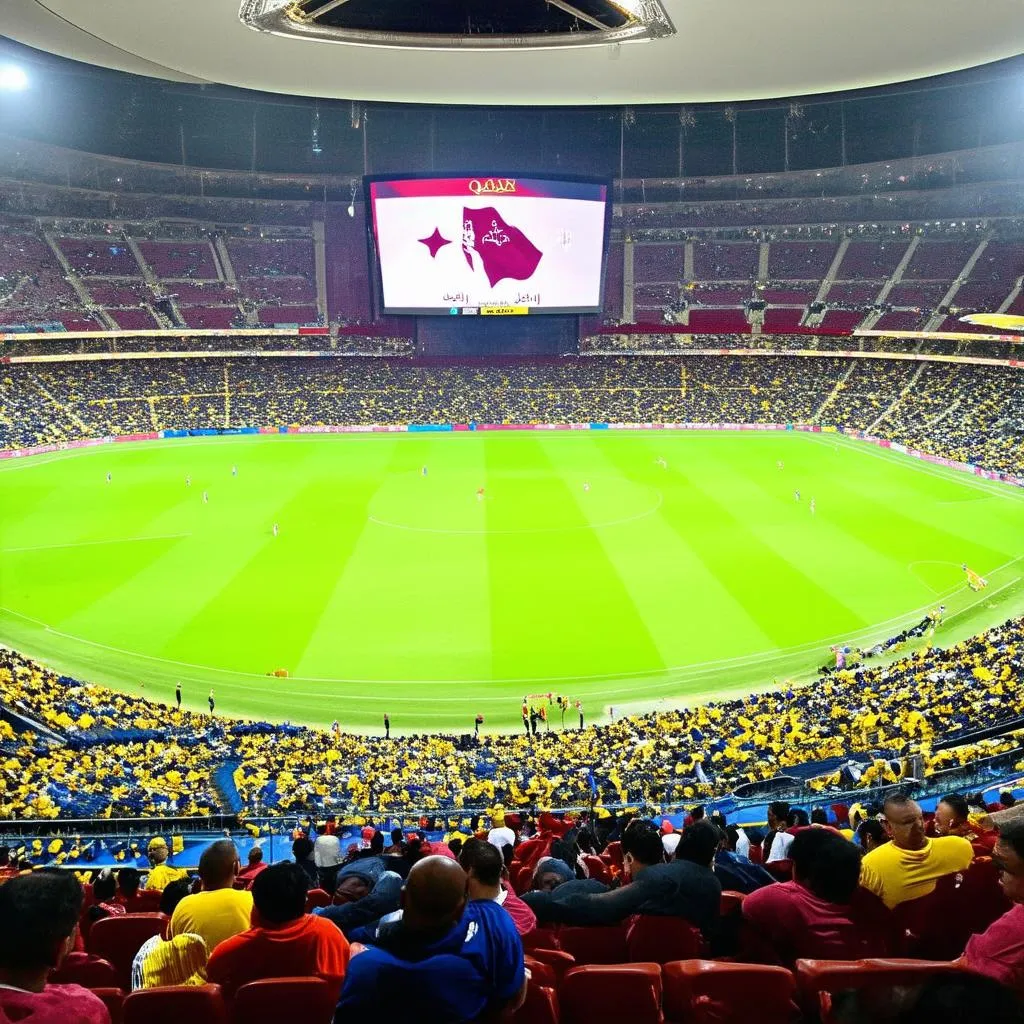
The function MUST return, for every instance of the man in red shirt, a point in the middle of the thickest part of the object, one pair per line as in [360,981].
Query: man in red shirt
[128,882]
[38,925]
[998,952]
[483,864]
[284,941]
[952,819]
[823,913]
[254,866]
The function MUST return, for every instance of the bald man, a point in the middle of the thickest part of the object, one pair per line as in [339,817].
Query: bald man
[459,959]
[219,910]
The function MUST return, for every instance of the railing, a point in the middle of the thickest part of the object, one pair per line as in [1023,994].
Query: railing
[961,778]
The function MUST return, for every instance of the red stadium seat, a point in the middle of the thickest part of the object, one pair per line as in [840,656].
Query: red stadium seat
[630,992]
[147,902]
[782,870]
[707,992]
[539,1007]
[541,938]
[661,939]
[820,981]
[202,1004]
[520,876]
[540,972]
[118,939]
[113,1000]
[86,970]
[558,960]
[595,945]
[274,1000]
[731,902]
[597,868]
[317,898]
[612,854]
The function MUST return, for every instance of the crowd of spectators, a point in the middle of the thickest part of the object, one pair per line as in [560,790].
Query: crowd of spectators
[965,412]
[476,926]
[124,756]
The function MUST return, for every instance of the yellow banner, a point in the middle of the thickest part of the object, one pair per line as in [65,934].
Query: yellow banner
[504,310]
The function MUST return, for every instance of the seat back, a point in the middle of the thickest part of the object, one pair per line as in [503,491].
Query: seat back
[273,1000]
[558,960]
[604,992]
[86,970]
[520,876]
[541,938]
[202,1004]
[596,868]
[148,901]
[708,992]
[113,1000]
[595,945]
[874,982]
[661,939]
[731,902]
[118,939]
[612,854]
[317,898]
[539,1007]
[541,973]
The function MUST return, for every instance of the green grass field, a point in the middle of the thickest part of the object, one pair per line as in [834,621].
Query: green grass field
[388,590]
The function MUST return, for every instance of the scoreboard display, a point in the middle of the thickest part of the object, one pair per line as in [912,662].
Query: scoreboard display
[489,245]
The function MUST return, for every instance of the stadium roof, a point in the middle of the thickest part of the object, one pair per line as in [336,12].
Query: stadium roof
[712,50]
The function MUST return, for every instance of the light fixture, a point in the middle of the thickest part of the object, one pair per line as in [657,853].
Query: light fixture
[13,78]
[352,201]
[351,209]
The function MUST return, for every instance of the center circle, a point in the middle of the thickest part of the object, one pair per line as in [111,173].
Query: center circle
[464,502]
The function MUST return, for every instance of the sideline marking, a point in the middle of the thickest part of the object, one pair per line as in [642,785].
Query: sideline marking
[89,543]
[928,561]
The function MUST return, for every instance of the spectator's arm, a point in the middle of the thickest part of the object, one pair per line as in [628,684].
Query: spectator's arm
[382,900]
[603,908]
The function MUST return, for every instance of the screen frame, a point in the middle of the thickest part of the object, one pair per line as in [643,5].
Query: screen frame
[373,249]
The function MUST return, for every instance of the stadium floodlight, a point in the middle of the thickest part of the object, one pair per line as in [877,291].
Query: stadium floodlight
[13,78]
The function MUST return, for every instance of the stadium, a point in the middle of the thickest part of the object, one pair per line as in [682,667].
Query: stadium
[500,499]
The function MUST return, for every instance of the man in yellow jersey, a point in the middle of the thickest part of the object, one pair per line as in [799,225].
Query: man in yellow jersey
[220,910]
[910,864]
[161,874]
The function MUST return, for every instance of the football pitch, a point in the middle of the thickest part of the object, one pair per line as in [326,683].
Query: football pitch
[438,576]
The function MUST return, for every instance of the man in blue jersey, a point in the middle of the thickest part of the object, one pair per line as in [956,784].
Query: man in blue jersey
[454,960]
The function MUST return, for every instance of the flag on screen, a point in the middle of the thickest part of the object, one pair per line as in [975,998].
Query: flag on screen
[504,251]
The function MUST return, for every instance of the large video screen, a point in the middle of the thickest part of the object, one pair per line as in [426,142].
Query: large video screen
[489,245]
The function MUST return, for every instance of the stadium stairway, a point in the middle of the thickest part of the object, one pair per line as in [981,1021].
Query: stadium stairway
[223,779]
